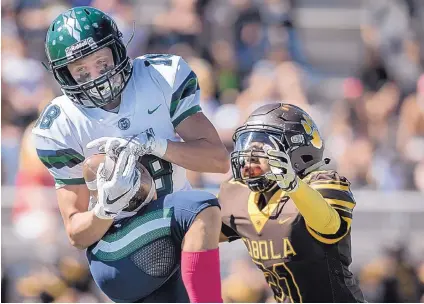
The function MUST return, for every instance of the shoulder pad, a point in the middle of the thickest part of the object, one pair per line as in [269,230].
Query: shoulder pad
[326,175]
[165,64]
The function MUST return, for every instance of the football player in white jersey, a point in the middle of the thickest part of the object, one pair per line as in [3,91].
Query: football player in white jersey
[111,101]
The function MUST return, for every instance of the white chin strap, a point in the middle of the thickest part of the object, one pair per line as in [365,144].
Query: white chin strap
[316,166]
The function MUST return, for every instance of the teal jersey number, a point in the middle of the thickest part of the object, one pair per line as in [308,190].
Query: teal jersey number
[161,172]
[159,59]
[49,114]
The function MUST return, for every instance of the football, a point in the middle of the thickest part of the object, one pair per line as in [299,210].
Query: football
[92,163]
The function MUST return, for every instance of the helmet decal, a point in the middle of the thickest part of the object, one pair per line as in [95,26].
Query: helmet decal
[312,130]
[71,23]
[285,107]
[80,44]
[316,139]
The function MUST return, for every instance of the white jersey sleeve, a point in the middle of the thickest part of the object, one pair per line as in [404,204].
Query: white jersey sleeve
[57,147]
[183,92]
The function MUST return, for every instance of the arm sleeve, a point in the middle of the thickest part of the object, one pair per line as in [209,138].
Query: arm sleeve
[326,203]
[58,150]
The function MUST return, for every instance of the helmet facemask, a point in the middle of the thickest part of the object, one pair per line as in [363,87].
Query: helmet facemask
[249,161]
[104,89]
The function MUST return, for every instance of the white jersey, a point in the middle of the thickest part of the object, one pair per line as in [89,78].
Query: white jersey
[160,94]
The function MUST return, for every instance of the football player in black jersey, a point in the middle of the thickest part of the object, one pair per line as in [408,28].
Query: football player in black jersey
[294,218]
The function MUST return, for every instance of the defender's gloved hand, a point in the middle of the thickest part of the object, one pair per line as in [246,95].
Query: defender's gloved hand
[281,168]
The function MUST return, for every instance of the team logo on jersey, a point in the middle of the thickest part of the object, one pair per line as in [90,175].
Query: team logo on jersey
[124,123]
[154,110]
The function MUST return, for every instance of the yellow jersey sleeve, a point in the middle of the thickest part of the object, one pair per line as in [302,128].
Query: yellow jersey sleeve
[335,190]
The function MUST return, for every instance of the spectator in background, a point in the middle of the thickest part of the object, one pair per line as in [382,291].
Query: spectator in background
[206,77]
[35,204]
[223,56]
[67,281]
[387,30]
[356,162]
[420,273]
[11,136]
[368,117]
[348,142]
[392,278]
[24,80]
[272,79]
[250,36]
[127,21]
[208,103]
[419,176]
[179,24]
[291,82]
[23,89]
[373,109]
[33,18]
[370,278]
[5,286]
[410,134]
[278,16]
[261,89]
[401,283]
[31,174]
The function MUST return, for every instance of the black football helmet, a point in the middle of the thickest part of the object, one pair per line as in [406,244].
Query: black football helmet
[291,128]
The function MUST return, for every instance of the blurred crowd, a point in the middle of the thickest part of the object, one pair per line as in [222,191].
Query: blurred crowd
[66,280]
[245,53]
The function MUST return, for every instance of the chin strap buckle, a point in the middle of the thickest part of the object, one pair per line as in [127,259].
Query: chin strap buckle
[316,166]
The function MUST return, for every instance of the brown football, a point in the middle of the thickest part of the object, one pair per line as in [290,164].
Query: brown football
[92,163]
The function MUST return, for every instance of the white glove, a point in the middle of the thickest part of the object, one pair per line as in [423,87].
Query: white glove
[143,143]
[116,193]
[281,168]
